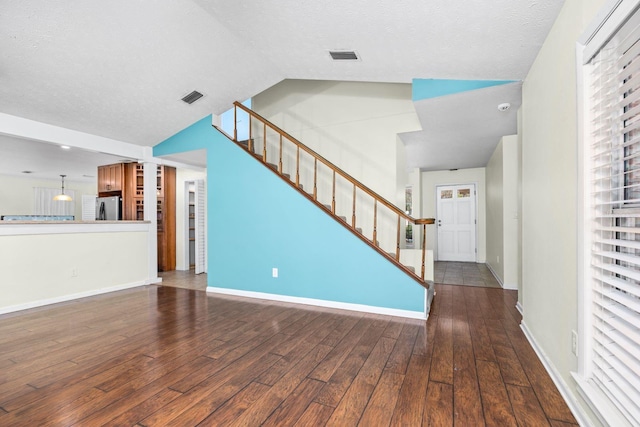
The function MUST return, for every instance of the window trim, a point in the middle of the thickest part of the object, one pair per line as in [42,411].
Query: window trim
[606,23]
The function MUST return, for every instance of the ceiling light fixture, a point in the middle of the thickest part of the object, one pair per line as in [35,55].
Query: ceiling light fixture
[65,147]
[62,197]
[504,107]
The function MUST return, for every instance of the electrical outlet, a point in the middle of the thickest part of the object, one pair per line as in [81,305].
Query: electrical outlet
[574,342]
[74,272]
[274,272]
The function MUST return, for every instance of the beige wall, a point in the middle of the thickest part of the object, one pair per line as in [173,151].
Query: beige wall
[352,124]
[430,180]
[549,185]
[495,212]
[502,212]
[511,214]
[69,265]
[16,193]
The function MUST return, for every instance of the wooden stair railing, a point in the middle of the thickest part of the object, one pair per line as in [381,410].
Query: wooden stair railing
[257,144]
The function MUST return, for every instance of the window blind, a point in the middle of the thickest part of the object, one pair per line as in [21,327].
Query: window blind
[43,203]
[614,86]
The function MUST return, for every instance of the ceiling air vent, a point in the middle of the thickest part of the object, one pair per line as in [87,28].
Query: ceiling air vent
[343,55]
[192,97]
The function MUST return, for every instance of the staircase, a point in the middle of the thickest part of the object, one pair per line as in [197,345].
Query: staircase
[370,217]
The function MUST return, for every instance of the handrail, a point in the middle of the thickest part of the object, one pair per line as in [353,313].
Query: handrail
[377,199]
[327,163]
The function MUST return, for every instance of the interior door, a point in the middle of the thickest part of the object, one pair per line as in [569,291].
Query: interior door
[456,222]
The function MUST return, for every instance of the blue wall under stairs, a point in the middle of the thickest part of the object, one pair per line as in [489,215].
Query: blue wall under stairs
[257,222]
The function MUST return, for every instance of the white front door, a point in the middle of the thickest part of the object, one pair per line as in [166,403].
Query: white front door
[456,222]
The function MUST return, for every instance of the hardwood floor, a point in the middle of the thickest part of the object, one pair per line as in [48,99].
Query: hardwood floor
[168,356]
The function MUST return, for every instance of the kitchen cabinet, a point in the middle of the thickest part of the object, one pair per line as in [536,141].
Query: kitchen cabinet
[110,178]
[127,179]
[166,215]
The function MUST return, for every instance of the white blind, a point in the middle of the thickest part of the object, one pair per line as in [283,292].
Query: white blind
[614,76]
[43,203]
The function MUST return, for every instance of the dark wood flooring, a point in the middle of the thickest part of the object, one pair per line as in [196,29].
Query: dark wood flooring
[163,356]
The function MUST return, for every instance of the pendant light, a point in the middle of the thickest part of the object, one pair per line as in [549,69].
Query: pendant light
[63,197]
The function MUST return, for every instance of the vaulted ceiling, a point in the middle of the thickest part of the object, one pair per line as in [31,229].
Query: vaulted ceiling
[119,68]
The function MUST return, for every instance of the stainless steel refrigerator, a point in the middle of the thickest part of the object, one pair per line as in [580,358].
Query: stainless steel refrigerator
[109,208]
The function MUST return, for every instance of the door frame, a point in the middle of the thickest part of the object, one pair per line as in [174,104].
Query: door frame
[475,198]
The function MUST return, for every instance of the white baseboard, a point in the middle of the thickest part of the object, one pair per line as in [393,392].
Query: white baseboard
[153,281]
[508,286]
[557,379]
[519,308]
[494,274]
[64,298]
[320,303]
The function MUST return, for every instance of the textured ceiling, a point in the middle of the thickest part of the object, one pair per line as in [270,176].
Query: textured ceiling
[461,131]
[118,68]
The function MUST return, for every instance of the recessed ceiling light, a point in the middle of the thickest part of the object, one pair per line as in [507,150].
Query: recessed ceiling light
[27,172]
[65,147]
[88,176]
[504,107]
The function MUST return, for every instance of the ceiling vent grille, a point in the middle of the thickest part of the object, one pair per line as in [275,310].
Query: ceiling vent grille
[343,55]
[192,97]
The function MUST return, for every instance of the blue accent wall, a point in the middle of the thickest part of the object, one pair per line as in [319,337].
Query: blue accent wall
[256,222]
[433,88]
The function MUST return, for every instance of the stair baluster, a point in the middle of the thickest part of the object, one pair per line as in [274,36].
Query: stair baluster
[353,217]
[333,194]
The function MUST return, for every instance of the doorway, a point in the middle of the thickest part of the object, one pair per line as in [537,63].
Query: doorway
[195,225]
[456,221]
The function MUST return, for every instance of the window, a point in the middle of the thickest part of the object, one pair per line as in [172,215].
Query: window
[43,203]
[610,358]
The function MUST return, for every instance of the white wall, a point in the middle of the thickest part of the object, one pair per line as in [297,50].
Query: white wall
[511,215]
[495,212]
[183,175]
[430,180]
[16,193]
[502,212]
[549,186]
[519,209]
[352,124]
[69,265]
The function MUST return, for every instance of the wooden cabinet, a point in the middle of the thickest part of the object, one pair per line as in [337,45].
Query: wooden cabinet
[110,178]
[166,211]
[128,180]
